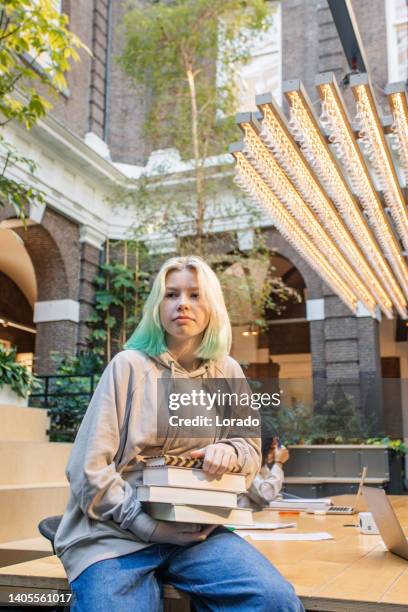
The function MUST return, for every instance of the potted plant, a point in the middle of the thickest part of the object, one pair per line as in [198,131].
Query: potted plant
[397,451]
[16,381]
[329,446]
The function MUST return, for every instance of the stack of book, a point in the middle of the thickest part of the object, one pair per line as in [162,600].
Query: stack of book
[178,489]
[301,504]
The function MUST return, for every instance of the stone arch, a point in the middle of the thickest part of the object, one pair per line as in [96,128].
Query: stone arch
[316,288]
[54,250]
[49,266]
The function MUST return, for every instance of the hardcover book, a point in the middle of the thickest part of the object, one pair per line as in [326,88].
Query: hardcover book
[180,495]
[186,462]
[193,478]
[199,514]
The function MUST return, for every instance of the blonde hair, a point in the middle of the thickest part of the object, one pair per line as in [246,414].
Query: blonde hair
[149,335]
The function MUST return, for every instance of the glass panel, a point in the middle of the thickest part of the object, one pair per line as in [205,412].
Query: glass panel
[260,75]
[402,51]
[400,10]
[262,72]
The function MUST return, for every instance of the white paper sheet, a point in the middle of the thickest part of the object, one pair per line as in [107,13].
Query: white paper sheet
[259,525]
[295,537]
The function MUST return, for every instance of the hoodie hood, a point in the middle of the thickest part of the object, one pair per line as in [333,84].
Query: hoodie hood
[167,361]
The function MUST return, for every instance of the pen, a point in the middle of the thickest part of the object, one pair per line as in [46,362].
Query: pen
[288,512]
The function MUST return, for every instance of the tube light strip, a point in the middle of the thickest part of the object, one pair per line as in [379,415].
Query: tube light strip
[285,151]
[251,182]
[305,130]
[335,121]
[261,159]
[374,141]
[398,103]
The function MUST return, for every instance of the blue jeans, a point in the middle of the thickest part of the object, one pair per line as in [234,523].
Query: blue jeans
[223,573]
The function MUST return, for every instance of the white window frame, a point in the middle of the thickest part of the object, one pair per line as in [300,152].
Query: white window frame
[277,93]
[392,54]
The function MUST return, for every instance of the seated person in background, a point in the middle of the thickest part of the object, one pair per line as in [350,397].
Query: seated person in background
[268,482]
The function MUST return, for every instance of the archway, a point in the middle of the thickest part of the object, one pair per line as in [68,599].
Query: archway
[35,261]
[18,294]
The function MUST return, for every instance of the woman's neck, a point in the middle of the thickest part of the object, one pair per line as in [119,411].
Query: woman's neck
[184,351]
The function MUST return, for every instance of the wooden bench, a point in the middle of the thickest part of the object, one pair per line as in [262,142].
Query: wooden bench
[47,576]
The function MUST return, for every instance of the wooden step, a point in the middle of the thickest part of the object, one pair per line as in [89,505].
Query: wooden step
[22,507]
[19,551]
[23,424]
[32,462]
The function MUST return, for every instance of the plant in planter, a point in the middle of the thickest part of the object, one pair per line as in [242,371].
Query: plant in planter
[397,446]
[330,442]
[16,381]
[336,422]
[69,393]
[397,452]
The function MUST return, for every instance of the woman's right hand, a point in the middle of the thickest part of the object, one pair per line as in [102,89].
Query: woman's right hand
[181,534]
[281,454]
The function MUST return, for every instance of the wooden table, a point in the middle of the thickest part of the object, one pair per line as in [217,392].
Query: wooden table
[353,572]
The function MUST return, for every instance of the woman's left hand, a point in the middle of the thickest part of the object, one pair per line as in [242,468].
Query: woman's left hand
[218,458]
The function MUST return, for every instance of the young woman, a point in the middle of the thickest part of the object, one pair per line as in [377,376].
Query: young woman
[267,485]
[116,556]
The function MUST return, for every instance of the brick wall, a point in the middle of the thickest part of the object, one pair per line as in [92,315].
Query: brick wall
[90,257]
[310,45]
[73,110]
[54,250]
[126,103]
[98,81]
[371,18]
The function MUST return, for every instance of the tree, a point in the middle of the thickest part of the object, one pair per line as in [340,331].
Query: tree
[173,50]
[36,47]
[185,54]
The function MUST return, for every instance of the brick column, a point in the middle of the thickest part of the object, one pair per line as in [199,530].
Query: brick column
[91,245]
[315,316]
[370,372]
[57,322]
[346,356]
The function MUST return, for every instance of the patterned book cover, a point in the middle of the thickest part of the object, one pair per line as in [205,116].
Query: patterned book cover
[170,460]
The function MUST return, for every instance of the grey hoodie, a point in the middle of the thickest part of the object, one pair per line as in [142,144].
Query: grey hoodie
[103,518]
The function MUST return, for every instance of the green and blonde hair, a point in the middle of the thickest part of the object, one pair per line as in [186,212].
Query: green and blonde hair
[149,336]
